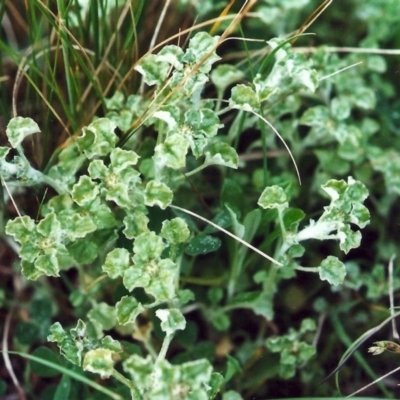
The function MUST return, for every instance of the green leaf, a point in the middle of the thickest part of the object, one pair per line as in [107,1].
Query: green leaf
[79,226]
[171,320]
[221,153]
[119,182]
[220,320]
[172,152]
[157,277]
[139,369]
[173,55]
[232,368]
[98,139]
[203,122]
[27,333]
[292,350]
[348,238]
[148,246]
[158,193]
[83,251]
[388,163]
[71,346]
[273,197]
[63,389]
[21,228]
[135,224]
[84,191]
[340,107]
[202,244]
[99,361]
[244,98]
[292,218]
[116,102]
[109,343]
[332,270]
[364,97]
[49,227]
[201,51]
[308,325]
[41,369]
[258,301]
[315,116]
[153,70]
[215,384]
[128,308]
[19,128]
[122,159]
[175,231]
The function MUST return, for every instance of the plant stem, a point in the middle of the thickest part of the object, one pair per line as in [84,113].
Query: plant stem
[164,348]
[127,383]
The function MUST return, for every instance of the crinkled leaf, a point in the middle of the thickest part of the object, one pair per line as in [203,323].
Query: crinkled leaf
[175,230]
[332,270]
[221,153]
[79,226]
[116,102]
[244,98]
[202,50]
[172,152]
[109,343]
[99,361]
[203,122]
[157,277]
[139,369]
[21,228]
[348,238]
[159,194]
[173,55]
[84,191]
[153,69]
[148,246]
[19,128]
[273,197]
[135,224]
[122,159]
[98,139]
[128,308]
[70,345]
[48,264]
[116,263]
[171,320]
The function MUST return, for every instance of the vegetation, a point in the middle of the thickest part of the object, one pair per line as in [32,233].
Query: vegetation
[199,199]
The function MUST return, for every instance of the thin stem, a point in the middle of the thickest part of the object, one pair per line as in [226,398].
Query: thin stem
[307,269]
[118,376]
[164,348]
